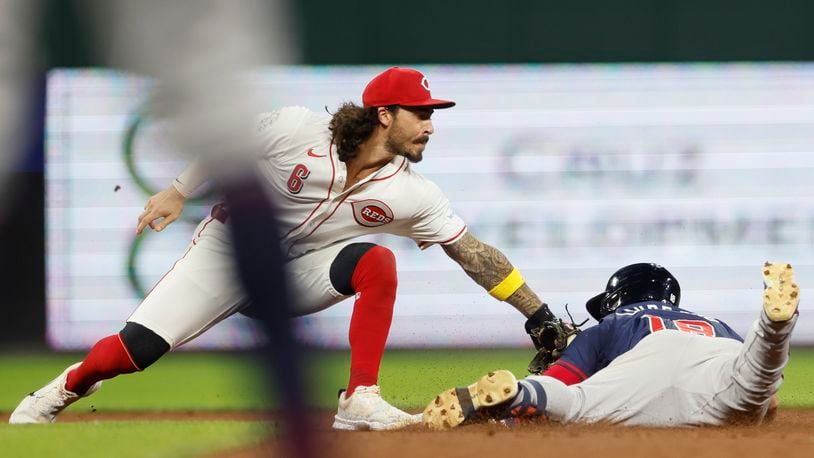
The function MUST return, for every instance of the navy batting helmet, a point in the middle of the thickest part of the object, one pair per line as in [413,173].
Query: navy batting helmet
[635,283]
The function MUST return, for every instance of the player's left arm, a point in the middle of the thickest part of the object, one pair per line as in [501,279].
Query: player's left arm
[581,358]
[490,268]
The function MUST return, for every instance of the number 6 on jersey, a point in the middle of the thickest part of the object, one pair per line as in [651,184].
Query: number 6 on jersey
[295,181]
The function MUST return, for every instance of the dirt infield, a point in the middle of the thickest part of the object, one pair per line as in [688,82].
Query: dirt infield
[790,435]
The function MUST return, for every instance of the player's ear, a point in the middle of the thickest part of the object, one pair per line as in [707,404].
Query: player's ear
[385,116]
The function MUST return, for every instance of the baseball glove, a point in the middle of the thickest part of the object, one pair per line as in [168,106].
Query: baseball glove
[550,338]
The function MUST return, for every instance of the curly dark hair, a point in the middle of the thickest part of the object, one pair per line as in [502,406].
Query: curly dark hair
[351,126]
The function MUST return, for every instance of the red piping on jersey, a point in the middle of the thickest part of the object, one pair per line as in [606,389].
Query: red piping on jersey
[320,223]
[572,368]
[340,204]
[403,161]
[423,244]
[328,197]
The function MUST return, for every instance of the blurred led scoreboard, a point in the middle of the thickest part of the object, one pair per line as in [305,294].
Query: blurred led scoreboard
[571,170]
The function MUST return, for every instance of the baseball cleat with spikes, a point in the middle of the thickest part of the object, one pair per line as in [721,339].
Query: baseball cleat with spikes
[454,406]
[780,293]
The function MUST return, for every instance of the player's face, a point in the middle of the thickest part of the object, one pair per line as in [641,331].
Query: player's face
[410,132]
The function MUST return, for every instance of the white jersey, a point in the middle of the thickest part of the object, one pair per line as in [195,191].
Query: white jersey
[314,209]
[318,218]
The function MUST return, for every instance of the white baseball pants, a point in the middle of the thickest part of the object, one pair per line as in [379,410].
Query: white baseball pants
[202,289]
[672,378]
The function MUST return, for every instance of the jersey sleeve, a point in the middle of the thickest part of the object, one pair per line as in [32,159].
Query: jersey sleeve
[277,129]
[435,221]
[581,359]
[190,179]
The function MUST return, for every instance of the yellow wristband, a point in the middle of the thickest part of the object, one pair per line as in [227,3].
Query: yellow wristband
[508,286]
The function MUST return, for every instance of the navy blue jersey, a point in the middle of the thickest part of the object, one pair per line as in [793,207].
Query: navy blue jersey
[597,346]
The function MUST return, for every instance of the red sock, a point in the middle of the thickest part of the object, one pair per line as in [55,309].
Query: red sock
[107,359]
[375,282]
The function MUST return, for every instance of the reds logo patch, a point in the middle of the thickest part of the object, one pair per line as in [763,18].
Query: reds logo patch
[372,213]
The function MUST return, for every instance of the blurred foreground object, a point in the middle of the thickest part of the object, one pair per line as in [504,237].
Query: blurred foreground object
[18,32]
[202,52]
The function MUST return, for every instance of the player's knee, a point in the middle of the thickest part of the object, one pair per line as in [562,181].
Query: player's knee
[382,266]
[143,345]
[361,263]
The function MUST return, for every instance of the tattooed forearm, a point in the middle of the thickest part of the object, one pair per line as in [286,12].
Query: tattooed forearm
[525,301]
[483,263]
[488,267]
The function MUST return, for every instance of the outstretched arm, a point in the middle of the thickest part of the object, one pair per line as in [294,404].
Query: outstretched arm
[492,270]
[489,268]
[168,204]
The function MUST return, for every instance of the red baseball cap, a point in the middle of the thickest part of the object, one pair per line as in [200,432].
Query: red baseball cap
[401,86]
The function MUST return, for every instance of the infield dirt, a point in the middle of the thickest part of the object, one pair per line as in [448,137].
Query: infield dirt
[790,435]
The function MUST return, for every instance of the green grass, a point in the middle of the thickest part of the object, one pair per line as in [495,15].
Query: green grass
[177,382]
[410,378]
[222,381]
[797,389]
[126,439]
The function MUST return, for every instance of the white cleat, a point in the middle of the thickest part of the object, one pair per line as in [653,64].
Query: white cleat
[366,410]
[780,293]
[43,405]
[454,406]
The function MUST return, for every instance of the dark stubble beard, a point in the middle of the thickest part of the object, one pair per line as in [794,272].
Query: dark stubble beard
[398,148]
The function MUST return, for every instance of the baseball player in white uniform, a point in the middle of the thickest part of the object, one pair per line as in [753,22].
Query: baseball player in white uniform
[647,363]
[332,179]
